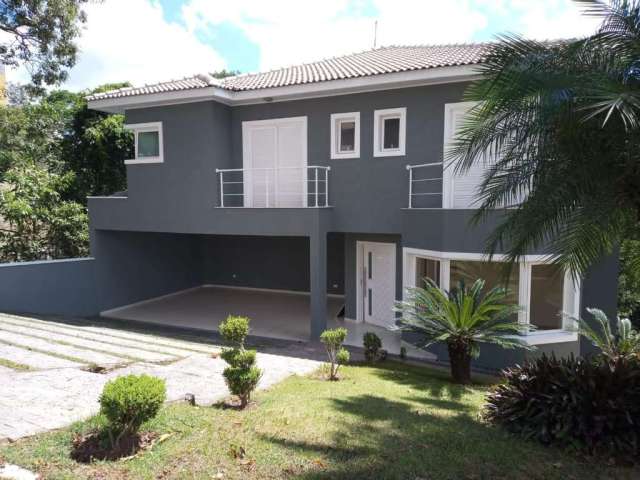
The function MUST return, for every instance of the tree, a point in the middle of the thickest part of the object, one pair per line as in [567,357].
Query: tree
[558,123]
[37,223]
[629,280]
[462,318]
[58,132]
[41,35]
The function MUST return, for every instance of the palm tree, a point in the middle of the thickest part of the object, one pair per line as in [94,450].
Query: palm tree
[618,343]
[462,318]
[558,123]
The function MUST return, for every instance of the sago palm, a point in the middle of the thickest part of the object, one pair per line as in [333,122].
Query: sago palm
[620,342]
[462,318]
[558,123]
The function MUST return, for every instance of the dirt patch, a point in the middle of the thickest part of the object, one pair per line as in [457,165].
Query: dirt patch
[96,446]
[102,369]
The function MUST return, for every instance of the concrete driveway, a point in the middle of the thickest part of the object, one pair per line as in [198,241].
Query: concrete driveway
[47,377]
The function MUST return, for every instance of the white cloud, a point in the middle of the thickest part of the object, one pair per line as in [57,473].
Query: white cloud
[290,32]
[553,19]
[130,40]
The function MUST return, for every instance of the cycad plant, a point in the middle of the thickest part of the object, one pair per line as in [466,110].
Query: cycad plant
[462,318]
[618,343]
[558,124]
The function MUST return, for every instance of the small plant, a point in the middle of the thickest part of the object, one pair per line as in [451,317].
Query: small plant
[242,375]
[403,353]
[463,318]
[129,401]
[372,345]
[338,355]
[620,342]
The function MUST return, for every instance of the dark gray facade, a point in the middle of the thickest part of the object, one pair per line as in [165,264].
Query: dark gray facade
[169,234]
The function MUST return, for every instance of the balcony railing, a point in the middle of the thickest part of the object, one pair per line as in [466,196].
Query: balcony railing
[425,181]
[285,187]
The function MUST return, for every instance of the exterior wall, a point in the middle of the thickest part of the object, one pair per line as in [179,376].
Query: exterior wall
[63,287]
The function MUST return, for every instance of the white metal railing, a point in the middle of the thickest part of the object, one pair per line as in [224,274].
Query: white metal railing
[421,177]
[284,187]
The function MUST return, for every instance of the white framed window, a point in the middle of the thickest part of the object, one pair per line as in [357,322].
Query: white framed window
[148,143]
[389,132]
[549,298]
[345,135]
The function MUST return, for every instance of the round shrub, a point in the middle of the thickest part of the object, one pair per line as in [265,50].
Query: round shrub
[343,356]
[372,345]
[239,358]
[241,381]
[129,401]
[234,329]
[594,406]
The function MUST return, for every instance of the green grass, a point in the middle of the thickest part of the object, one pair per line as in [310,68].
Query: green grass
[388,422]
[5,362]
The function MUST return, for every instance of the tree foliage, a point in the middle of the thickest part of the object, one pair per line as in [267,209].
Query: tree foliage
[36,222]
[41,35]
[558,123]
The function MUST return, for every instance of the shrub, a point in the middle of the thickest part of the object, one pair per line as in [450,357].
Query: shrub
[333,340]
[403,353]
[234,330]
[589,405]
[242,375]
[372,345]
[129,401]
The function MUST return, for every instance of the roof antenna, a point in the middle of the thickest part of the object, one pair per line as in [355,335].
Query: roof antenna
[375,34]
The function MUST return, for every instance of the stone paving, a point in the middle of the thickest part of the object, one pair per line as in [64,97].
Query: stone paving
[57,392]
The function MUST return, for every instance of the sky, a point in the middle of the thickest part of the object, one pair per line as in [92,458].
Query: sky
[146,41]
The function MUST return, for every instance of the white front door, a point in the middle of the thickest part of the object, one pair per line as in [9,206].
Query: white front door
[377,285]
[275,162]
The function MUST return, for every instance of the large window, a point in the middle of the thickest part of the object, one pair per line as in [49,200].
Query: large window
[492,273]
[148,143]
[345,135]
[389,132]
[548,297]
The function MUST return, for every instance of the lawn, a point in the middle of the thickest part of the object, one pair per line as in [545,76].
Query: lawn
[387,422]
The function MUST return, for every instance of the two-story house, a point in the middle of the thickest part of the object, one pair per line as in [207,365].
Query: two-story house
[303,197]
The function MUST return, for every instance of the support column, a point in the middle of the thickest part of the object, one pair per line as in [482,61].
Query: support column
[318,271]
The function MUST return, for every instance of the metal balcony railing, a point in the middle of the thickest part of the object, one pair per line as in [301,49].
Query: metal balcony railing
[284,187]
[425,181]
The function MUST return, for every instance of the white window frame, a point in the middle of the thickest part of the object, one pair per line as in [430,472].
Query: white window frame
[336,120]
[379,116]
[146,127]
[570,291]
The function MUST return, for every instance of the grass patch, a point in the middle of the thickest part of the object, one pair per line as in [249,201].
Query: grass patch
[4,362]
[387,421]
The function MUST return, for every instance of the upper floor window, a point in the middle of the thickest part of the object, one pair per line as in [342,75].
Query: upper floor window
[345,135]
[148,143]
[389,132]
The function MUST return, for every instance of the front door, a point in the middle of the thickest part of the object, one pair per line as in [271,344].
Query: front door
[377,284]
[275,162]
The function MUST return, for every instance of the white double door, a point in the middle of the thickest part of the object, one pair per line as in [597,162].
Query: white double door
[274,156]
[377,282]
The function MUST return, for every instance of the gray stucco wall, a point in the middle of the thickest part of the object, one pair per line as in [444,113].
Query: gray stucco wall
[64,287]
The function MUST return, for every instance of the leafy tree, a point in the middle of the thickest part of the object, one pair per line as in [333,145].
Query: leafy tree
[462,318]
[224,73]
[37,223]
[629,280]
[41,35]
[338,355]
[559,124]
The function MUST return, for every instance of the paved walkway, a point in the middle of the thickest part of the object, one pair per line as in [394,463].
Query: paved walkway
[44,382]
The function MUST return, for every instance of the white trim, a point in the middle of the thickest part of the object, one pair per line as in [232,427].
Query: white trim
[379,117]
[387,81]
[141,128]
[337,119]
[570,294]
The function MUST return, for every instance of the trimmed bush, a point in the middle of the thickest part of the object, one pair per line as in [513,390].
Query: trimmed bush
[333,340]
[242,375]
[591,405]
[372,345]
[234,329]
[129,401]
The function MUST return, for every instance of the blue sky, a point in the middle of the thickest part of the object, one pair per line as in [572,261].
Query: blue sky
[164,39]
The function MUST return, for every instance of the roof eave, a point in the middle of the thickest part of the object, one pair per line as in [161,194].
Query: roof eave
[386,81]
